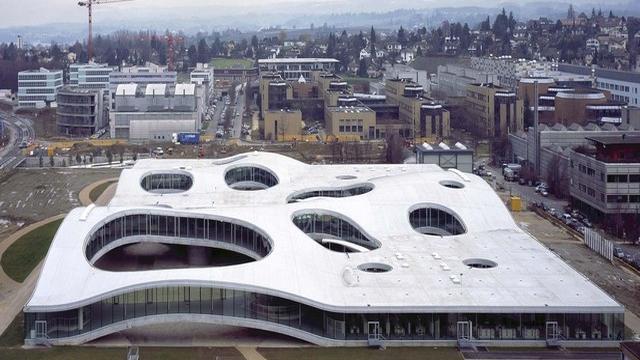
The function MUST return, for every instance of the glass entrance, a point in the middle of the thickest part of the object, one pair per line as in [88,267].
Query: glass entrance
[41,329]
[374,329]
[464,330]
[552,330]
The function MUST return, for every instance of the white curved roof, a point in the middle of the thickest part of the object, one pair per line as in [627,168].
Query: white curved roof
[528,277]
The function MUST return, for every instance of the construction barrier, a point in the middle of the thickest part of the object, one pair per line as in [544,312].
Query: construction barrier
[595,242]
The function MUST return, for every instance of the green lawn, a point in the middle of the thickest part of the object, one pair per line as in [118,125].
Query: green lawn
[407,353]
[98,190]
[24,255]
[13,336]
[225,63]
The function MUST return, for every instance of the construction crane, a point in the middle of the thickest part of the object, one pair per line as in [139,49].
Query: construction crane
[89,5]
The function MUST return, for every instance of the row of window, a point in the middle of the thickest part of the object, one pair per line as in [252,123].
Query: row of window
[623,199]
[323,226]
[332,193]
[430,221]
[633,178]
[178,227]
[307,319]
[163,183]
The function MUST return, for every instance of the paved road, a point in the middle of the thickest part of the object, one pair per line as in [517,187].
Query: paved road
[527,193]
[236,127]
[20,129]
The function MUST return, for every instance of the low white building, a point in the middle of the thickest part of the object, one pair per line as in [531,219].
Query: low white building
[335,255]
[156,111]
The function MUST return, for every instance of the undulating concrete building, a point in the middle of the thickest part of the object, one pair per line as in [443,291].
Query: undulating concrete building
[334,255]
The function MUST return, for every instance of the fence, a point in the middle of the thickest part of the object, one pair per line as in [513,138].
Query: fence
[596,243]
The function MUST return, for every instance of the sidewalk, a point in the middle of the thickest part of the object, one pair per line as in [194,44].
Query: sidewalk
[14,295]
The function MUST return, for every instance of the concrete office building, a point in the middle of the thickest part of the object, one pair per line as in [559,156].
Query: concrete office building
[623,85]
[422,116]
[81,112]
[156,111]
[203,75]
[90,76]
[494,111]
[38,88]
[447,157]
[293,68]
[283,124]
[142,76]
[453,79]
[606,182]
[434,258]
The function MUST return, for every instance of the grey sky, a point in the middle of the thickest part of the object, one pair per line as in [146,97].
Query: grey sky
[37,12]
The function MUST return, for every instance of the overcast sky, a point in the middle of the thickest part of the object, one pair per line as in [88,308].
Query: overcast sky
[38,12]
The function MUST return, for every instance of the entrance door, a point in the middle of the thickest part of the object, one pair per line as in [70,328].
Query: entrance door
[374,329]
[464,330]
[552,330]
[41,329]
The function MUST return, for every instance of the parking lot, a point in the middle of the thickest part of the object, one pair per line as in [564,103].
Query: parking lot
[31,195]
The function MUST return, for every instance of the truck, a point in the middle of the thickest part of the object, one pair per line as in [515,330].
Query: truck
[186,138]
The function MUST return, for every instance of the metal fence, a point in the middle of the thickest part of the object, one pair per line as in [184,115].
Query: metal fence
[596,243]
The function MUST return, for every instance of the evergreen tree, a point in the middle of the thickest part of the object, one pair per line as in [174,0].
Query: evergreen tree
[362,68]
[373,39]
[402,37]
[203,51]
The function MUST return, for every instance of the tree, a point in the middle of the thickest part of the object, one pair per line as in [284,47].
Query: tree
[51,161]
[109,156]
[402,36]
[40,161]
[373,39]
[394,149]
[485,25]
[193,55]
[78,159]
[331,45]
[362,68]
[203,51]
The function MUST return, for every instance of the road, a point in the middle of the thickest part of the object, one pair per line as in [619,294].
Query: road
[527,193]
[236,121]
[20,129]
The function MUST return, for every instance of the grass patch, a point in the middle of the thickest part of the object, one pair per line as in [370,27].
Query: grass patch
[67,353]
[226,63]
[19,260]
[13,335]
[422,353]
[98,190]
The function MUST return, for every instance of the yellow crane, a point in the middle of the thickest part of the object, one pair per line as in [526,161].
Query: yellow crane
[89,5]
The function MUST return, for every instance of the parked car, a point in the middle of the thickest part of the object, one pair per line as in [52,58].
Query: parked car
[586,222]
[158,151]
[544,193]
[617,252]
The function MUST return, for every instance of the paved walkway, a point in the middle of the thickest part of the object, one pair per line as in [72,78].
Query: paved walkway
[250,353]
[104,197]
[14,295]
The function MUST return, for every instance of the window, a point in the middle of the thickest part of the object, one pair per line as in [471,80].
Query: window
[634,178]
[617,178]
[634,199]
[620,199]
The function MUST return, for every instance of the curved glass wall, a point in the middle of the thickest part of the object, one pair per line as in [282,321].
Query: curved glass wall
[321,227]
[332,193]
[234,235]
[167,183]
[163,300]
[432,221]
[250,178]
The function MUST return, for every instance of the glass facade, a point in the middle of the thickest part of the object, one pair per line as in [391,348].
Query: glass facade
[332,193]
[166,183]
[250,178]
[324,226]
[432,221]
[159,301]
[178,227]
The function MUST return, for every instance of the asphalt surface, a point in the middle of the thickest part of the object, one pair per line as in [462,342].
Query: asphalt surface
[236,126]
[20,129]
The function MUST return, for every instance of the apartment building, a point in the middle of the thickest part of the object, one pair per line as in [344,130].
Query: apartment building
[203,75]
[38,88]
[422,116]
[81,112]
[494,111]
[623,85]
[90,76]
[294,68]
[605,183]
